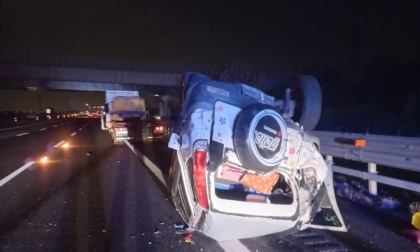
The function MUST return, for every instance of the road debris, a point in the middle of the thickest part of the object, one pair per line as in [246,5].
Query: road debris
[188,239]
[187,230]
[179,226]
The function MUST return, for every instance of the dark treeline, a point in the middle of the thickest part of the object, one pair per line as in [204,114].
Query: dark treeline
[384,99]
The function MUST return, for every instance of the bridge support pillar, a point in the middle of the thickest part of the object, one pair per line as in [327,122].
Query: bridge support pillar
[163,106]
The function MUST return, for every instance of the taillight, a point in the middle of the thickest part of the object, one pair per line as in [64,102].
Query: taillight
[158,129]
[200,164]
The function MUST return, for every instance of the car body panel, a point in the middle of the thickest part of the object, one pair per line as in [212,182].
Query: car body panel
[333,220]
[223,227]
[207,120]
[224,119]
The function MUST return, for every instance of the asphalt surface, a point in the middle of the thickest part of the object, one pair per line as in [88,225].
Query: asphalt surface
[93,196]
[96,196]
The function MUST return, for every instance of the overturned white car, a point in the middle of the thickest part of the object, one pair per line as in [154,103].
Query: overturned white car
[242,168]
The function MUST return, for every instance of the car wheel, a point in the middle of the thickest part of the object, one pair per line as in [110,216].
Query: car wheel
[259,137]
[307,93]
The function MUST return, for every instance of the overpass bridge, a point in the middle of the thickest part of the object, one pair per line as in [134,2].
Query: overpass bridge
[77,76]
[79,79]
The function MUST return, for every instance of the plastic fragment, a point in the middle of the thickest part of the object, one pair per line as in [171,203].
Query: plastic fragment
[187,230]
[178,226]
[187,239]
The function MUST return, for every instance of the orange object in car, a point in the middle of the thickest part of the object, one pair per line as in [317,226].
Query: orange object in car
[259,183]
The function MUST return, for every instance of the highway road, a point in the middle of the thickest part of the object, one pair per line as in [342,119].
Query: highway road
[96,196]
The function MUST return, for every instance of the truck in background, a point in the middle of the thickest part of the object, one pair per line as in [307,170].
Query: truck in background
[124,113]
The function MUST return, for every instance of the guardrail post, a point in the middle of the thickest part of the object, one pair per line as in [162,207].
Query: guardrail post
[329,158]
[373,187]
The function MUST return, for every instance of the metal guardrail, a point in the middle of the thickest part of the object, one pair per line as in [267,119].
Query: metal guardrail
[391,151]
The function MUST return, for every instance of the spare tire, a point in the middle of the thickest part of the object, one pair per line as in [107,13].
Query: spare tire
[307,93]
[259,137]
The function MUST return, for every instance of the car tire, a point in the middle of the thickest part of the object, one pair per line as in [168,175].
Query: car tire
[259,138]
[307,93]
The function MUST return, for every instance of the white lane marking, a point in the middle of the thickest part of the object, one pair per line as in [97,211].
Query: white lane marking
[26,133]
[60,143]
[15,173]
[233,245]
[80,129]
[43,129]
[55,125]
[74,133]
[152,167]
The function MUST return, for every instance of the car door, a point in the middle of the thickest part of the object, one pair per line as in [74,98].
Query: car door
[325,212]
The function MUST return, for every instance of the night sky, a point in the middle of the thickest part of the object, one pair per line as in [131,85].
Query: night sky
[277,37]
[273,35]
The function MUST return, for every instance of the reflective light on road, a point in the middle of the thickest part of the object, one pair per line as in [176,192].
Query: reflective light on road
[65,145]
